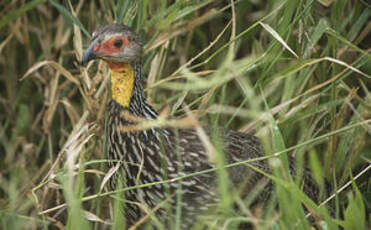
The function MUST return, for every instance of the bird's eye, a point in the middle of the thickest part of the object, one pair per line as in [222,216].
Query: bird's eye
[117,43]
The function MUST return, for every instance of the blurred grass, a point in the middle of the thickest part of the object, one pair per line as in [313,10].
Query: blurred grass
[246,78]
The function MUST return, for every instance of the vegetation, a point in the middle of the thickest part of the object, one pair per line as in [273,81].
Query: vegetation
[295,73]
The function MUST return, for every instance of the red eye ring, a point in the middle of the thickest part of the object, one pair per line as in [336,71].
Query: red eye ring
[113,45]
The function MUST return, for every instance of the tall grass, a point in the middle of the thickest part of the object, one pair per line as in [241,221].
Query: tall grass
[295,73]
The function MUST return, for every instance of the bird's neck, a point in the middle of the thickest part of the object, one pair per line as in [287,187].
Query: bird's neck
[122,82]
[127,88]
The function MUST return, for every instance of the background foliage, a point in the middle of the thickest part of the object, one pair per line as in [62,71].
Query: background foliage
[295,73]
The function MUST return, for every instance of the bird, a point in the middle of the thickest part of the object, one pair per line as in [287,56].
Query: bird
[155,154]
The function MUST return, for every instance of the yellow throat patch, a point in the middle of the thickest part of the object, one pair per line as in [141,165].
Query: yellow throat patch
[122,83]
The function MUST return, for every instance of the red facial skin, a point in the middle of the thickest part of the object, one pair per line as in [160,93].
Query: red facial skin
[115,65]
[108,48]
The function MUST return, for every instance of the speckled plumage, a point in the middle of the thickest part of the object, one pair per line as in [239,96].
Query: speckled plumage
[157,151]
[159,154]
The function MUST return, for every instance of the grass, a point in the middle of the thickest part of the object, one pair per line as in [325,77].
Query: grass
[294,73]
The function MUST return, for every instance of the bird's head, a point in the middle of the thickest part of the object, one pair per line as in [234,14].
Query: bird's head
[115,44]
[119,46]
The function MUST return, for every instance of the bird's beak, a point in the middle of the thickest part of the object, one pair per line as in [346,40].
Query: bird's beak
[90,53]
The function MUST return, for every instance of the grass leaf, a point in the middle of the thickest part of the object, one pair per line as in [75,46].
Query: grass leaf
[20,11]
[68,15]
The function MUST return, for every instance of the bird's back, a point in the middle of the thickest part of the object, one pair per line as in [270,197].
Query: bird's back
[158,154]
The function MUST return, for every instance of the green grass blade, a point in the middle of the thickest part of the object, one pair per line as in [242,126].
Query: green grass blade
[19,12]
[67,14]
